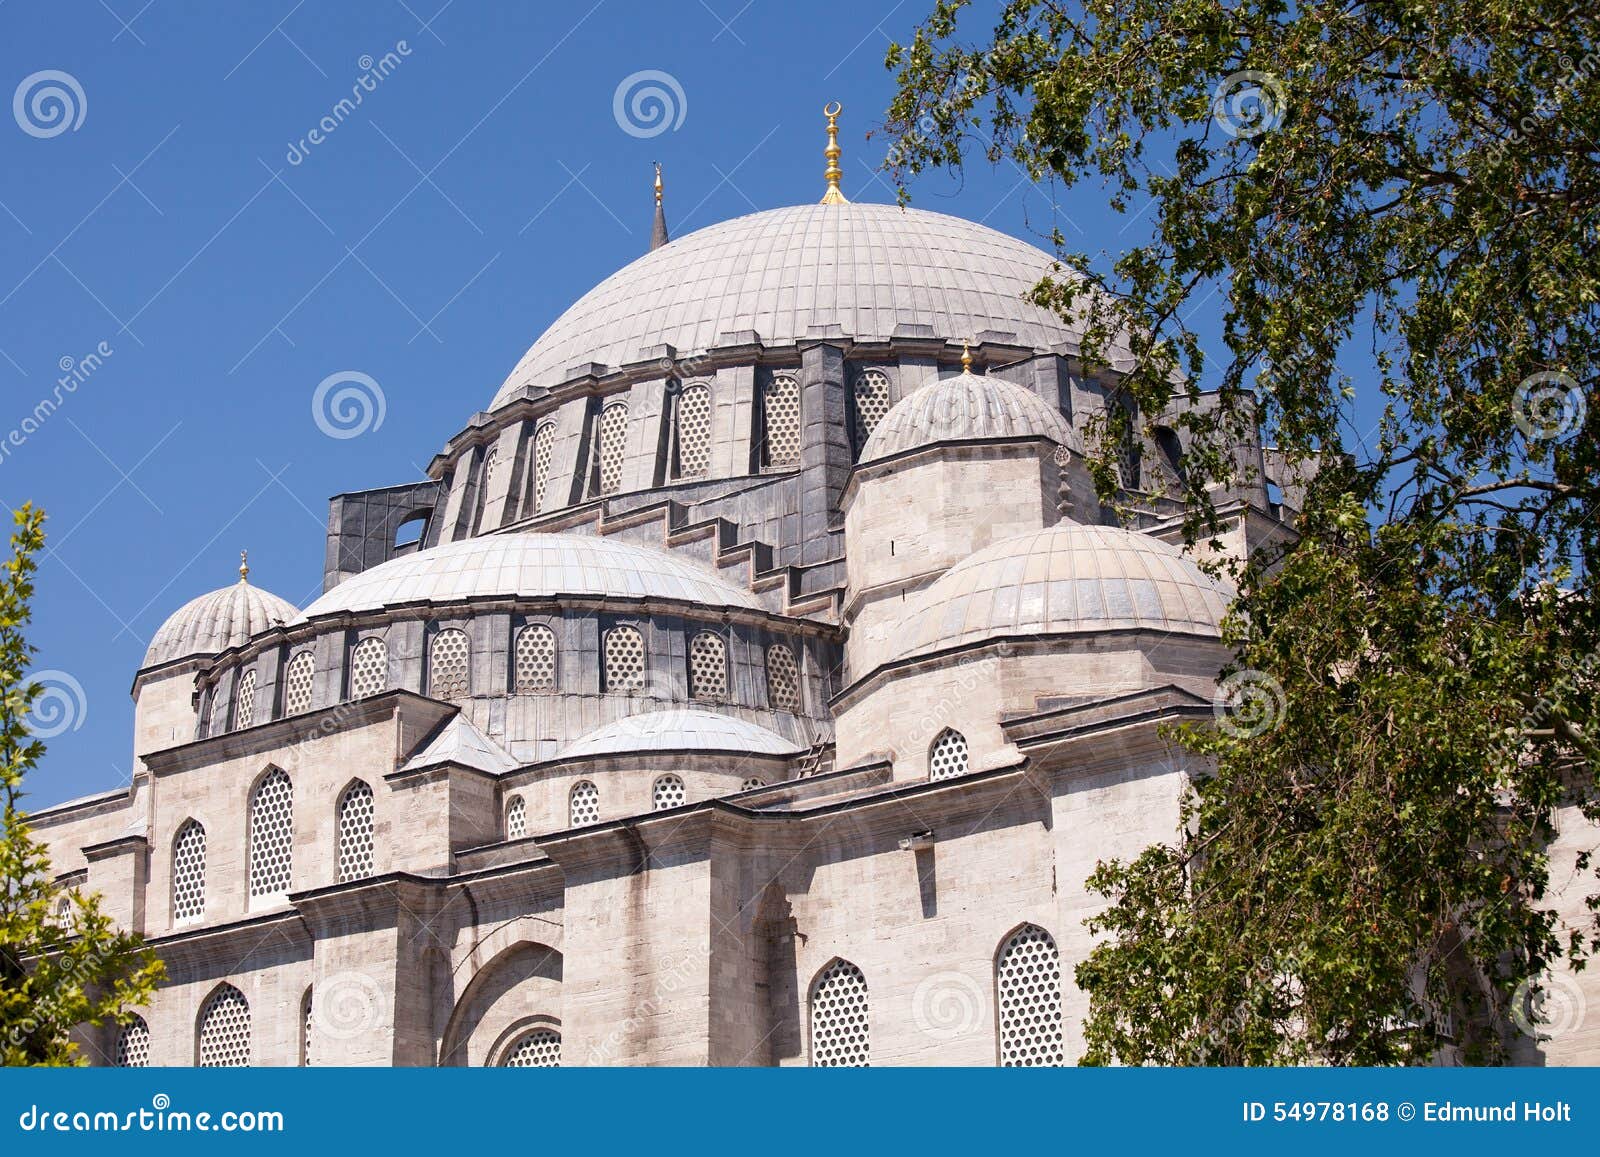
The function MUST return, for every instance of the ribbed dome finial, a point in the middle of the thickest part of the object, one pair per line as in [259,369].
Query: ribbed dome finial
[833,172]
[244,566]
[966,356]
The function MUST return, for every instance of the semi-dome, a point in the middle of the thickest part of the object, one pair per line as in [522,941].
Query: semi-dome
[530,566]
[214,622]
[869,269]
[688,730]
[1067,579]
[966,408]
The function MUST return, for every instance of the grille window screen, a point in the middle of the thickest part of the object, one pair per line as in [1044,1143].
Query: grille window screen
[491,467]
[544,448]
[948,756]
[708,666]
[133,1045]
[447,665]
[271,836]
[624,659]
[355,833]
[613,445]
[537,1050]
[840,1033]
[780,416]
[225,1030]
[189,872]
[872,403]
[516,819]
[783,678]
[297,684]
[694,432]
[306,1039]
[369,669]
[668,792]
[751,783]
[1028,983]
[214,711]
[244,706]
[535,660]
[585,804]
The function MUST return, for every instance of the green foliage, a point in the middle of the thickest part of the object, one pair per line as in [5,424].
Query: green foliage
[55,973]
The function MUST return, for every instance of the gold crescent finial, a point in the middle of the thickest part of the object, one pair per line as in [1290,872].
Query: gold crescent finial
[833,172]
[244,566]
[966,356]
[658,182]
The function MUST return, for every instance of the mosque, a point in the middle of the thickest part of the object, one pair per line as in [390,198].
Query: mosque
[756,680]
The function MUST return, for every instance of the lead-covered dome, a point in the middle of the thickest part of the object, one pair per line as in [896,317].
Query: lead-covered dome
[214,622]
[687,730]
[530,566]
[966,408]
[869,269]
[1068,579]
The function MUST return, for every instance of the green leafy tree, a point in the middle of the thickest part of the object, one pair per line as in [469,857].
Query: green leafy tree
[56,971]
[1396,206]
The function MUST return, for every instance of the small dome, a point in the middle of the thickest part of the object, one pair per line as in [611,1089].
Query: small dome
[679,731]
[1069,579]
[967,408]
[212,623]
[530,566]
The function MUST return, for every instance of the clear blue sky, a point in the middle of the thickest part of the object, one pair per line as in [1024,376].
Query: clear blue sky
[480,188]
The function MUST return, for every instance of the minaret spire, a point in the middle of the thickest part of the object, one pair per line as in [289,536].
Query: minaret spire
[244,566]
[833,172]
[658,233]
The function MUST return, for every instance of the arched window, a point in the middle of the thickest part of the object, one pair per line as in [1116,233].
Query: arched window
[305,1031]
[244,702]
[752,783]
[584,804]
[64,911]
[214,711]
[538,1050]
[783,678]
[491,467]
[948,755]
[544,449]
[1171,448]
[449,658]
[841,1032]
[624,660]
[297,683]
[613,446]
[225,1030]
[355,832]
[535,660]
[516,818]
[780,421]
[667,792]
[1027,976]
[1129,457]
[189,872]
[708,666]
[271,835]
[369,668]
[870,398]
[693,443]
[133,1044]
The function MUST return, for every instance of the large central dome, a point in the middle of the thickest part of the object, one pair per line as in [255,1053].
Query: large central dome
[865,268]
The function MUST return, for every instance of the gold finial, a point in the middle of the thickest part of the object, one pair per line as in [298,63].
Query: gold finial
[658,182]
[244,566]
[966,356]
[833,172]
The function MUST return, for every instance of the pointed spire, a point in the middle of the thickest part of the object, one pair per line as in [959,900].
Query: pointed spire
[966,356]
[244,566]
[658,233]
[833,172]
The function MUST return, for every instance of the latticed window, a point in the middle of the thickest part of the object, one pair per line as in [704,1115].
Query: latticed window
[306,1037]
[624,659]
[584,804]
[780,421]
[244,704]
[133,1045]
[369,668]
[694,432]
[544,450]
[271,835]
[491,467]
[613,446]
[537,1050]
[840,1032]
[355,832]
[1028,984]
[189,872]
[871,396]
[516,818]
[667,792]
[783,678]
[535,659]
[708,666]
[948,755]
[225,1030]
[214,712]
[752,783]
[448,659]
[297,683]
